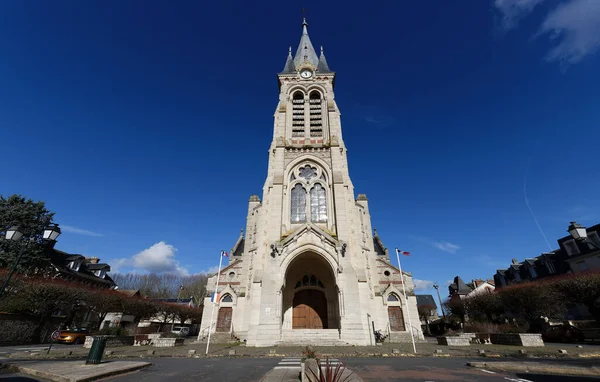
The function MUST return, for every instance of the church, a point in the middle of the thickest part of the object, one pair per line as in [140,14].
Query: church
[309,269]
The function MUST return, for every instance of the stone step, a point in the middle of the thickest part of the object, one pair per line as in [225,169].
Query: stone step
[322,337]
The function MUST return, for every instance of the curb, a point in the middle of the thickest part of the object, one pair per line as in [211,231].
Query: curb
[62,378]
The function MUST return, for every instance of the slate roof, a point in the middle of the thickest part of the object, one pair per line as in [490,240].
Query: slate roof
[305,52]
[60,261]
[289,63]
[459,287]
[95,267]
[183,301]
[323,67]
[426,300]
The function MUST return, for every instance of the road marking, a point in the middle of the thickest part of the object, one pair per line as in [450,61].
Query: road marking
[295,363]
[517,380]
[487,371]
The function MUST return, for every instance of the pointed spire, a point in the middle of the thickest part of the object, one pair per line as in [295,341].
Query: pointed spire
[289,63]
[305,51]
[322,66]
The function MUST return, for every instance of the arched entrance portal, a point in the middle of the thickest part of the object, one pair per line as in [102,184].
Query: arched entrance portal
[310,310]
[310,295]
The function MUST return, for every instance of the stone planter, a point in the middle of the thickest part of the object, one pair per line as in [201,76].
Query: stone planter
[112,341]
[483,338]
[141,340]
[309,364]
[518,339]
[454,341]
[167,342]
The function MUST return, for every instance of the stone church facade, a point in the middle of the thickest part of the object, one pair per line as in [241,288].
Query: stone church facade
[310,269]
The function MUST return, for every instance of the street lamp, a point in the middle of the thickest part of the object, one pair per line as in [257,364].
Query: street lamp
[437,288]
[579,233]
[14,233]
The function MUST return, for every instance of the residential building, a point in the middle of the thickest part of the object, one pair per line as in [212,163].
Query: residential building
[460,289]
[427,310]
[310,268]
[571,257]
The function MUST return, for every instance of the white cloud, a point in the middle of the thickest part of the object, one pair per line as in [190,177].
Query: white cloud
[422,285]
[512,11]
[78,231]
[575,26]
[159,258]
[117,265]
[446,246]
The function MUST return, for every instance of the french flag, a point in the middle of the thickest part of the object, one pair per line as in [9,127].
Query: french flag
[223,253]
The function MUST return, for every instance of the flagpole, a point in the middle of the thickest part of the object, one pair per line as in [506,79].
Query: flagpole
[412,336]
[212,313]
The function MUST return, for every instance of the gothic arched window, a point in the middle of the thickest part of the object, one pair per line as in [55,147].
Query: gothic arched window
[227,298]
[392,297]
[298,212]
[318,204]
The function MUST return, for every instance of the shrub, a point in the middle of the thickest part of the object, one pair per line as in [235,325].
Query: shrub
[330,373]
[309,352]
[481,327]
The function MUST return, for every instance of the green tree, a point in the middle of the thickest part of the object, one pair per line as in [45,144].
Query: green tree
[583,289]
[531,301]
[31,217]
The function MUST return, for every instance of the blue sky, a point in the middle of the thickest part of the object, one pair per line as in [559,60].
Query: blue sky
[145,124]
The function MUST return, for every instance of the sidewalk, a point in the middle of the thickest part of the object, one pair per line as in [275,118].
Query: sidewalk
[550,351]
[76,371]
[539,368]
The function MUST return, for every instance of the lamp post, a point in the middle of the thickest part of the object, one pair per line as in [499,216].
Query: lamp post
[178,294]
[15,233]
[437,288]
[579,233]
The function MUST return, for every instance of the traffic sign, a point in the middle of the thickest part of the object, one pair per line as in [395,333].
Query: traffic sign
[55,335]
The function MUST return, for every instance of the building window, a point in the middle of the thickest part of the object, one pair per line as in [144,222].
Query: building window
[316,114]
[393,297]
[298,204]
[533,273]
[517,276]
[307,172]
[298,125]
[594,238]
[318,204]
[227,298]
[571,247]
[231,275]
[386,273]
[582,266]
[550,266]
[309,281]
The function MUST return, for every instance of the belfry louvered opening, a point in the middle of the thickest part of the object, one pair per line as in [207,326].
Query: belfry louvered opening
[298,114]
[316,114]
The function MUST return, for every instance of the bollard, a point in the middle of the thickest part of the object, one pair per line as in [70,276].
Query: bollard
[562,351]
[191,353]
[232,352]
[395,351]
[96,351]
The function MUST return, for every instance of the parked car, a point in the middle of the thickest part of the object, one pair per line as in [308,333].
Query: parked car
[181,331]
[74,336]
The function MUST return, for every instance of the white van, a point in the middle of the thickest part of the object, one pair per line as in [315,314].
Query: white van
[181,331]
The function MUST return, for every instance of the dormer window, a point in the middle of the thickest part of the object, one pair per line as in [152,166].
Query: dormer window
[532,272]
[100,273]
[74,265]
[571,247]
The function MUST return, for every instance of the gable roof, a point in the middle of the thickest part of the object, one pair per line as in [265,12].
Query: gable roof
[426,300]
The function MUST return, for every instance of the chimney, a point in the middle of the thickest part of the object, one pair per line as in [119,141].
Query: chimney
[92,260]
[515,261]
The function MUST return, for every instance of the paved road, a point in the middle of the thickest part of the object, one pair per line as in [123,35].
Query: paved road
[369,369]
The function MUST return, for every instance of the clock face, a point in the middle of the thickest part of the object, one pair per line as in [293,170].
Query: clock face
[306,73]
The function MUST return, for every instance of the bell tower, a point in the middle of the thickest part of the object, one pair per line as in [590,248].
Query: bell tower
[310,267]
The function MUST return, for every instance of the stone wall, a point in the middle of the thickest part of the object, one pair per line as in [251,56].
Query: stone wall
[18,329]
[454,341]
[518,339]
[112,341]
